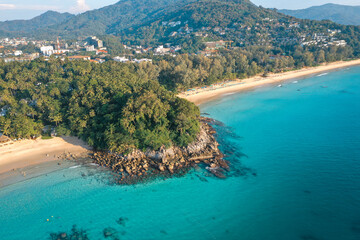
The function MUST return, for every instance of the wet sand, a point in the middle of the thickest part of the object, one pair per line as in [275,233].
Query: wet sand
[25,153]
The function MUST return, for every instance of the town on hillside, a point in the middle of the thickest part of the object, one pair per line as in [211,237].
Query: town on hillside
[95,50]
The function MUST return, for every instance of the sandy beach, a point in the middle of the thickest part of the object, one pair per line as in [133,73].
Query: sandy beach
[27,153]
[202,95]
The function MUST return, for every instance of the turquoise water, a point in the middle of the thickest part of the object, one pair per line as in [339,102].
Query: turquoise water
[295,152]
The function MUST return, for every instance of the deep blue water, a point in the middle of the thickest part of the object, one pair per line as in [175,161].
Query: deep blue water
[295,152]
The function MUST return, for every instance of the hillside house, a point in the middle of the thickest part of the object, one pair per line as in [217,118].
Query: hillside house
[217,45]
[120,59]
[86,58]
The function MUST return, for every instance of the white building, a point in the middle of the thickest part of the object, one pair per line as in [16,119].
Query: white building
[120,59]
[162,50]
[142,60]
[2,112]
[47,50]
[61,51]
[90,48]
[99,60]
[340,43]
[18,53]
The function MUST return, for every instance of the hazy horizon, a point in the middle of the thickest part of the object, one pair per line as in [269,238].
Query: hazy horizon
[22,10]
[294,5]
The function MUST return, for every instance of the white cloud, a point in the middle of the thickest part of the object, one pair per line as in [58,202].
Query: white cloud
[27,7]
[7,6]
[81,6]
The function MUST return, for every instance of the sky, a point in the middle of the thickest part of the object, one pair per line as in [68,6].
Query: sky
[300,4]
[26,9]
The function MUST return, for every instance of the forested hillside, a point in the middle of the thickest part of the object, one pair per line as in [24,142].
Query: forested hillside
[186,71]
[241,22]
[190,23]
[113,103]
[18,27]
[347,15]
[133,105]
[107,20]
[210,16]
[111,106]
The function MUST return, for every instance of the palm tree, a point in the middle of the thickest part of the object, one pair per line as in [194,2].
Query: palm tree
[56,118]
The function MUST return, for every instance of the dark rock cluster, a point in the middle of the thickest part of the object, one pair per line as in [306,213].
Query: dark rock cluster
[75,234]
[138,165]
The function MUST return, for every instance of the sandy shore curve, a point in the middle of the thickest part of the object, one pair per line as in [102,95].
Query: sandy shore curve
[25,153]
[205,94]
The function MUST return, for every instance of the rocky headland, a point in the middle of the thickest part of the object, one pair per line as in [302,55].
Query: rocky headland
[139,165]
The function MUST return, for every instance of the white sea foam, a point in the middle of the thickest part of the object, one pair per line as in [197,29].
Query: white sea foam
[228,94]
[74,167]
[323,74]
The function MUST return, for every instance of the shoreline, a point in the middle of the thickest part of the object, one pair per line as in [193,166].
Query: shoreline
[140,166]
[25,159]
[28,153]
[202,95]
[33,171]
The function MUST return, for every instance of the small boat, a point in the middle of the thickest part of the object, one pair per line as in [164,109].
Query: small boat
[280,85]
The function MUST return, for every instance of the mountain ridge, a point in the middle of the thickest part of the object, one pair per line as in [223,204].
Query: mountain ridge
[126,15]
[108,19]
[342,14]
[190,24]
[46,19]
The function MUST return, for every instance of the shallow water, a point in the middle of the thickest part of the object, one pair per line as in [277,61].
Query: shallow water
[295,152]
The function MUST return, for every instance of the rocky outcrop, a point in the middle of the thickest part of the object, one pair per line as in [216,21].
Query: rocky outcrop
[138,165]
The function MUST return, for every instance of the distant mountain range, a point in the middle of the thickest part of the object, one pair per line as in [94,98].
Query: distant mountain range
[106,20]
[347,15]
[127,15]
[133,16]
[187,23]
[225,18]
[47,19]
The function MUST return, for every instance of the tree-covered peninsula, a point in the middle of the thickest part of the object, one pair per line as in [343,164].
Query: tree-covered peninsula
[135,124]
[111,106]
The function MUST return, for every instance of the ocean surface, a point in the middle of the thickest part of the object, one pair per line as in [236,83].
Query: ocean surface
[295,155]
